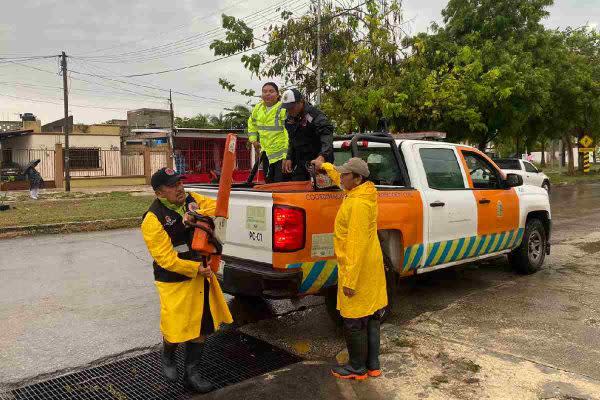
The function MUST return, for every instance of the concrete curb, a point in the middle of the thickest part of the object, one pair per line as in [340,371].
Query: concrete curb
[69,227]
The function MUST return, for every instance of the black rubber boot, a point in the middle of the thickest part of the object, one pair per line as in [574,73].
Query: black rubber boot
[193,380]
[169,365]
[373,335]
[356,341]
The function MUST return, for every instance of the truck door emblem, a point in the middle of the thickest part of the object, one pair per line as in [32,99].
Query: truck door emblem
[499,209]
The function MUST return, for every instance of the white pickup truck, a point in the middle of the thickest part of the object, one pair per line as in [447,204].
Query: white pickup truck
[440,205]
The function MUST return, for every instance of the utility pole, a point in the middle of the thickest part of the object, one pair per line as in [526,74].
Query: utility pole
[63,65]
[318,52]
[171,147]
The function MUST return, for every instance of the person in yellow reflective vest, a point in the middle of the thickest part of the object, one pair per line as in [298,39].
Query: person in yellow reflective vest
[362,295]
[192,304]
[266,132]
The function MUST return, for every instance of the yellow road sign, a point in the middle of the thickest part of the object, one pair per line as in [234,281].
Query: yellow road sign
[586,150]
[586,141]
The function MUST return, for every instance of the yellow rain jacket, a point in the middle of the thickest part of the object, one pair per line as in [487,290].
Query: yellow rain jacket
[268,127]
[182,303]
[358,252]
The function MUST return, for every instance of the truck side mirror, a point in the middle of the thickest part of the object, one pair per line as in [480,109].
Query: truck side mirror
[513,180]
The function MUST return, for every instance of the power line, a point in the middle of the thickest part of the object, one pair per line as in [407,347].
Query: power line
[88,81]
[176,28]
[8,59]
[95,93]
[192,47]
[231,55]
[152,87]
[32,67]
[180,41]
[128,83]
[185,45]
[52,102]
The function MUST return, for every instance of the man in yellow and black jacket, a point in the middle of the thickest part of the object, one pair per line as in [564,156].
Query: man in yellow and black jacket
[192,304]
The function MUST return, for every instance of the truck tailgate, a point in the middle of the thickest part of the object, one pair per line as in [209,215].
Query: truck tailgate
[249,228]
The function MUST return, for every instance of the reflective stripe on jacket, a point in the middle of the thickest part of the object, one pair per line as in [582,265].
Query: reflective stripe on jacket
[358,252]
[180,287]
[269,129]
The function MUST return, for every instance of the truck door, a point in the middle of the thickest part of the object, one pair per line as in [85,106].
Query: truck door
[532,175]
[497,206]
[450,208]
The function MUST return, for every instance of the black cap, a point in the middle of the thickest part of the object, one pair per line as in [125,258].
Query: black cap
[166,177]
[290,97]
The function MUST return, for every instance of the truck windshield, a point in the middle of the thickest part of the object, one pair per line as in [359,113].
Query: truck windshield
[382,164]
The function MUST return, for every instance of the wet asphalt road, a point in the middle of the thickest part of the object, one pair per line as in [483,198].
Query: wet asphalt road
[70,300]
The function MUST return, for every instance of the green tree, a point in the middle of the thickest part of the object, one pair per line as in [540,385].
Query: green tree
[199,121]
[360,55]
[237,117]
[479,77]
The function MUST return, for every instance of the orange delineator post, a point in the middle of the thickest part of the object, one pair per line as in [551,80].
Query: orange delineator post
[200,240]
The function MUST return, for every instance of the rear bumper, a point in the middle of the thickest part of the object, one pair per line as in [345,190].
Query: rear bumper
[248,278]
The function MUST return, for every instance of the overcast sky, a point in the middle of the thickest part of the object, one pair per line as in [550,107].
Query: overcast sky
[125,29]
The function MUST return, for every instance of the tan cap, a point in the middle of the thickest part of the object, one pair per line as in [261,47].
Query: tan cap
[356,165]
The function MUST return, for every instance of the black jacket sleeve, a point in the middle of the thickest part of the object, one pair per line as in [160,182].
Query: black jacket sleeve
[291,151]
[324,129]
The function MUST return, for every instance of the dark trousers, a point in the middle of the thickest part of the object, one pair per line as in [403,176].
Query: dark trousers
[300,174]
[357,324]
[273,172]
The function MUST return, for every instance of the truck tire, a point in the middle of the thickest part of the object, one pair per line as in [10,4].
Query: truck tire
[391,285]
[331,306]
[529,257]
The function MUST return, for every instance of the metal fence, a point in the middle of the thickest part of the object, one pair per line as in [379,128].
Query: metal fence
[94,162]
[206,156]
[90,162]
[22,157]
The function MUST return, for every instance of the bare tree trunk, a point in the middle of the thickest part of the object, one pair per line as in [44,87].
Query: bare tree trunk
[579,134]
[553,155]
[543,161]
[568,146]
[563,159]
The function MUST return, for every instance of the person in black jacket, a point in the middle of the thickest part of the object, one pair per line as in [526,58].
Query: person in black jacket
[35,179]
[310,135]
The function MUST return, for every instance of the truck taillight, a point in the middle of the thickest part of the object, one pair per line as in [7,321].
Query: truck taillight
[288,228]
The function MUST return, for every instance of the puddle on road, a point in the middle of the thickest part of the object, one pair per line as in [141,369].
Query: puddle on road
[590,247]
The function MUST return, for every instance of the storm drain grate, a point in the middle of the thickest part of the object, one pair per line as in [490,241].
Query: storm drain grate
[228,358]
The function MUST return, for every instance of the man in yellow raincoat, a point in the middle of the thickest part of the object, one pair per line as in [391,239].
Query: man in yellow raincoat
[362,294]
[192,304]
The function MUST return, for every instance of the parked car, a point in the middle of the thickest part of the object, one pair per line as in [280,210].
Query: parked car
[531,175]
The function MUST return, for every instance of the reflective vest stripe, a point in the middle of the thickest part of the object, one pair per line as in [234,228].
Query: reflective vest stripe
[269,128]
[276,155]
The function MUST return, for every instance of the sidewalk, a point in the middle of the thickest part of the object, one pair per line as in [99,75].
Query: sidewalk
[420,365]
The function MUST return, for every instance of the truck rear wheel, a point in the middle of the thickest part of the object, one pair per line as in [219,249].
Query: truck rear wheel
[529,257]
[331,305]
